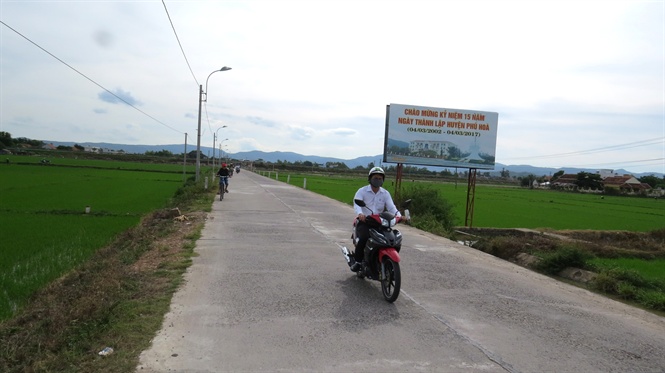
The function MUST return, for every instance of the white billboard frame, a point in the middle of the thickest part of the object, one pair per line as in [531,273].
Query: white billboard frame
[441,137]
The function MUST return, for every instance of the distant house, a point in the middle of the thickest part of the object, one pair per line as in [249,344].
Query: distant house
[49,147]
[625,183]
[605,173]
[566,181]
[192,154]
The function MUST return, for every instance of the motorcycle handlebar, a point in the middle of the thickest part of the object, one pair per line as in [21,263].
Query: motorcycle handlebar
[399,219]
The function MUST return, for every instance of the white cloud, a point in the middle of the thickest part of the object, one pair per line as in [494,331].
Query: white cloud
[315,77]
[119,97]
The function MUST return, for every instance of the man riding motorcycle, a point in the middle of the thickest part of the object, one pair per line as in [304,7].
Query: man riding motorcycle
[377,199]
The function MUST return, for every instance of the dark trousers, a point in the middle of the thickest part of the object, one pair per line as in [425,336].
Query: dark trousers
[362,234]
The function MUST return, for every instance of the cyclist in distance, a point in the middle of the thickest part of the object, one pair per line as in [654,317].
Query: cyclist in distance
[223,174]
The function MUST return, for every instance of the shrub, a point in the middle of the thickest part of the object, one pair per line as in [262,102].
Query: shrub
[631,277]
[652,299]
[430,211]
[605,283]
[555,262]
[630,285]
[658,234]
[609,191]
[627,291]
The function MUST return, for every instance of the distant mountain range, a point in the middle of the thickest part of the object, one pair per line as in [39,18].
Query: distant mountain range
[515,170]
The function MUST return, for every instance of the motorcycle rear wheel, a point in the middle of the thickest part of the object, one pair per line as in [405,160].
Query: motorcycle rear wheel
[392,280]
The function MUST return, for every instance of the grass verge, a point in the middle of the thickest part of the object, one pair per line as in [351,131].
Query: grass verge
[116,299]
[628,265]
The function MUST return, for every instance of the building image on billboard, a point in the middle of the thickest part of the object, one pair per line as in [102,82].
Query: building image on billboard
[440,136]
[431,148]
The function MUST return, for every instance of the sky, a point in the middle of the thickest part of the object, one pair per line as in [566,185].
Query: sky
[575,83]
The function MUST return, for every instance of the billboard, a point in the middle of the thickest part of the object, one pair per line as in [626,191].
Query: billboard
[442,137]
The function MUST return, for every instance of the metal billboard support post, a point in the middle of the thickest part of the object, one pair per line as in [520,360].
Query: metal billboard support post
[470,197]
[398,182]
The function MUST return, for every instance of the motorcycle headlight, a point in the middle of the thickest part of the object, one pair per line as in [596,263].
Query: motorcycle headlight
[385,223]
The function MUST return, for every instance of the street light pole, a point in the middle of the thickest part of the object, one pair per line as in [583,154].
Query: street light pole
[221,154]
[220,151]
[198,136]
[214,137]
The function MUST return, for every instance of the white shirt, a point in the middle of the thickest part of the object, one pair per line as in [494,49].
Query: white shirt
[378,201]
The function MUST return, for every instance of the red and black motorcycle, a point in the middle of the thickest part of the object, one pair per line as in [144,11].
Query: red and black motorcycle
[381,251]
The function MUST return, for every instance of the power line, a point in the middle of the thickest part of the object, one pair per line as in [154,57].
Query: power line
[599,150]
[89,79]
[659,160]
[181,49]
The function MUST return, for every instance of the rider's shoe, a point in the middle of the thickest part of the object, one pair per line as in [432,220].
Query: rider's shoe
[227,190]
[355,267]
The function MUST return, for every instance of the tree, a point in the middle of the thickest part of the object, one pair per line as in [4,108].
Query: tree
[161,153]
[454,152]
[527,181]
[27,141]
[192,154]
[6,139]
[588,180]
[653,181]
[337,165]
[557,175]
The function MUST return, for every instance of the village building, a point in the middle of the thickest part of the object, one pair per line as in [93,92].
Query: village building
[566,181]
[626,183]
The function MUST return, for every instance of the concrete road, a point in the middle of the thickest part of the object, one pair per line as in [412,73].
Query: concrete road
[270,291]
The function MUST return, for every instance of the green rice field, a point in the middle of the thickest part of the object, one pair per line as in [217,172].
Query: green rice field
[44,227]
[514,207]
[649,269]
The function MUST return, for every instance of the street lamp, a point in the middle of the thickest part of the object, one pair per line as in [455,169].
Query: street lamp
[220,151]
[198,137]
[214,137]
[221,143]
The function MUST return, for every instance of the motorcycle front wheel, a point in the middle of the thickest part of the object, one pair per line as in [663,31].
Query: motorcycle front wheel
[391,280]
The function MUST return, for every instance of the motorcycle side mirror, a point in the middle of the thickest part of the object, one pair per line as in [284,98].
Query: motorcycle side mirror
[406,203]
[360,202]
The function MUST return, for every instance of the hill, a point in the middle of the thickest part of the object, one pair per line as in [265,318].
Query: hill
[515,170]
